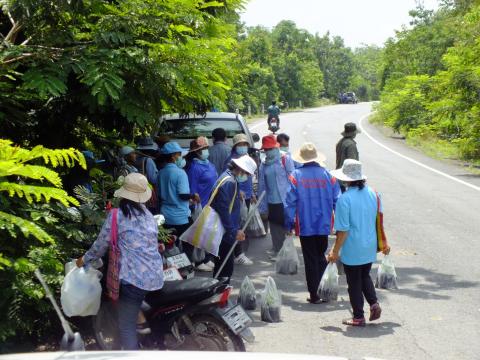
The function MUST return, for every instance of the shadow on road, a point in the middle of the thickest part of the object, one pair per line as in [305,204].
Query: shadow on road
[422,283]
[372,330]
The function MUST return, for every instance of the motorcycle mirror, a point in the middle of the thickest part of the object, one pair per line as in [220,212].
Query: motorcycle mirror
[255,137]
[71,341]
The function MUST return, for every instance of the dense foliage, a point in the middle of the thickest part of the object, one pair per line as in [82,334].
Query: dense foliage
[431,78]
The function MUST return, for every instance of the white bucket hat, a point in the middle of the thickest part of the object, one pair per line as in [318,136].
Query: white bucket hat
[246,163]
[308,153]
[350,171]
[135,187]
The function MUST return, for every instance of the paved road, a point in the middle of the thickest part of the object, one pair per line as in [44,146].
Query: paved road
[433,223]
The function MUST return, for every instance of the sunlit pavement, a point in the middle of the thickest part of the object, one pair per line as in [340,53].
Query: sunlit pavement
[433,225]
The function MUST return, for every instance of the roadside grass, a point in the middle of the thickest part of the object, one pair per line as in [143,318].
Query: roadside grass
[430,145]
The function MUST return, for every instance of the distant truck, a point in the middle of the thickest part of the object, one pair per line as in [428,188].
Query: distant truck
[347,98]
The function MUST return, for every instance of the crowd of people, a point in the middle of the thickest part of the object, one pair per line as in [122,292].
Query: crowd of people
[301,196]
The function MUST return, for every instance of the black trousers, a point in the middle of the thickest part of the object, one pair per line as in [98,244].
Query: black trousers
[360,284]
[227,270]
[276,220]
[313,249]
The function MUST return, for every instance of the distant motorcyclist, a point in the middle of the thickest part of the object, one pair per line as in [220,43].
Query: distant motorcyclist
[273,112]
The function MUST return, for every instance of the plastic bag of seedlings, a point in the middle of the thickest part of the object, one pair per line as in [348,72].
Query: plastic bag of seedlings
[328,289]
[255,227]
[271,302]
[287,259]
[386,274]
[243,212]
[247,296]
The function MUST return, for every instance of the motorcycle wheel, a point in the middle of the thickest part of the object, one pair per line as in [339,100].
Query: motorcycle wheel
[208,325]
[105,327]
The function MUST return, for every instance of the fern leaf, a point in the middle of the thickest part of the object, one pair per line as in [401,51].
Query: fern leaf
[28,228]
[9,168]
[37,193]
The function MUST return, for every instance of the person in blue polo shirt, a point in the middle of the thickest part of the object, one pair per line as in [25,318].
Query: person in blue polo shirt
[312,197]
[174,189]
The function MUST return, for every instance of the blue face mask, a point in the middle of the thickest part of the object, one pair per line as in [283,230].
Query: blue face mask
[284,148]
[180,162]
[241,178]
[272,154]
[242,150]
[205,154]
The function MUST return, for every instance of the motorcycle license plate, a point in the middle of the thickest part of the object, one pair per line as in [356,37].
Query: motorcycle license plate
[179,261]
[237,319]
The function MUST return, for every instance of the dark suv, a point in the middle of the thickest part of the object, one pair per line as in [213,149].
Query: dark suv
[348,98]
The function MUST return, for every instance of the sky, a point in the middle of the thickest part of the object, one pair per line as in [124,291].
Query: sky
[356,21]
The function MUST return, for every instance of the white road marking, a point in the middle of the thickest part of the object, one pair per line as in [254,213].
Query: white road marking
[412,160]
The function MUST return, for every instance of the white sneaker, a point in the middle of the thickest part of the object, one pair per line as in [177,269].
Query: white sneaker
[210,264]
[242,259]
[204,267]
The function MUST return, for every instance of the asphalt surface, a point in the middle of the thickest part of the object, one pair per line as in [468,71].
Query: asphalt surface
[433,226]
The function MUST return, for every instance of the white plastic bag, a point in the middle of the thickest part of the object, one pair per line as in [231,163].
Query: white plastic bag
[328,289]
[271,302]
[386,274]
[255,227]
[247,297]
[81,292]
[287,259]
[243,212]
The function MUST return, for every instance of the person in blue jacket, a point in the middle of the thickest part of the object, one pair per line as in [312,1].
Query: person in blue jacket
[202,177]
[273,179]
[240,148]
[227,204]
[311,199]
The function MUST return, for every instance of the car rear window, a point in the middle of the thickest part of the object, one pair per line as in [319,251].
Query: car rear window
[191,128]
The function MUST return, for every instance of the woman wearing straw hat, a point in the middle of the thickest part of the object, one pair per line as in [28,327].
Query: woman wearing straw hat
[141,268]
[312,196]
[202,176]
[355,222]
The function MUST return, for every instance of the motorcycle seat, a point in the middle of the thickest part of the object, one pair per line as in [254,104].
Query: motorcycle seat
[178,291]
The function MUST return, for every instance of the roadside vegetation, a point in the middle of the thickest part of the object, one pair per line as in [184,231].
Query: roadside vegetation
[430,81]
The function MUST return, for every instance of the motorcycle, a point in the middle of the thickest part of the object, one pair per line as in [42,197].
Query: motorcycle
[273,124]
[191,314]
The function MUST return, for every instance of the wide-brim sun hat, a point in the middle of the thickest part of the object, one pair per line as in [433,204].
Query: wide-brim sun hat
[246,163]
[146,143]
[350,129]
[199,143]
[308,153]
[135,188]
[350,171]
[270,142]
[126,150]
[172,147]
[240,138]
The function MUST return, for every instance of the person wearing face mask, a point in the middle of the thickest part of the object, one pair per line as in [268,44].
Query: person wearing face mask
[284,141]
[227,204]
[240,148]
[174,188]
[273,179]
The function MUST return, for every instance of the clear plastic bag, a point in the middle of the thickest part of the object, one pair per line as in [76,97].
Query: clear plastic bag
[255,227]
[287,260]
[271,302]
[386,274]
[243,212]
[81,291]
[247,296]
[196,211]
[328,289]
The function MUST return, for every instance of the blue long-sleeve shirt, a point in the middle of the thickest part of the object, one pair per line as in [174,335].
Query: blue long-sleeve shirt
[202,177]
[221,204]
[147,167]
[312,196]
[283,168]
